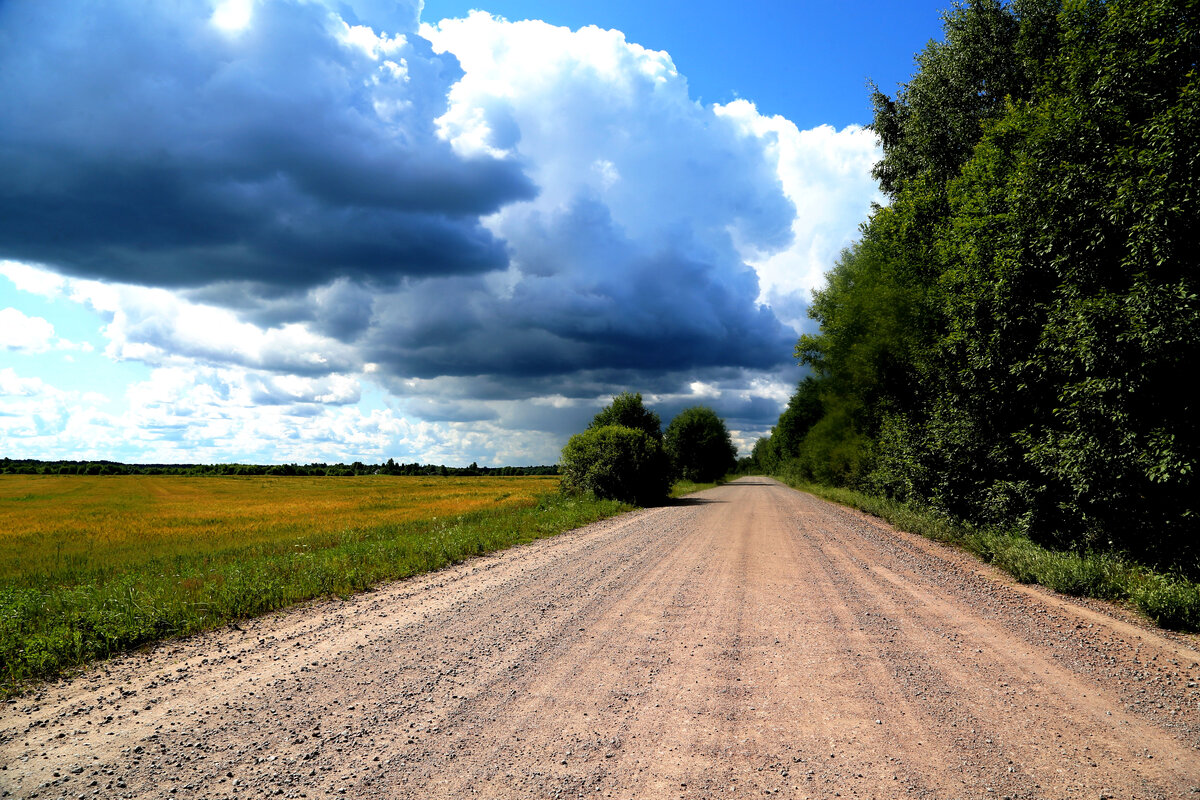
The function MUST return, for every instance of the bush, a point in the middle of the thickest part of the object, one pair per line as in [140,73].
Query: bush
[699,445]
[834,453]
[617,463]
[627,410]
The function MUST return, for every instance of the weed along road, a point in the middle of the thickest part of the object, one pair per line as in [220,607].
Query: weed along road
[750,641]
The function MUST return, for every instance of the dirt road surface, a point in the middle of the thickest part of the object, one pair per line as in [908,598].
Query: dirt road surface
[753,641]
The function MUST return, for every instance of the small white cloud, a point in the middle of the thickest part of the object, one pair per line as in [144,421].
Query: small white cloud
[24,334]
[826,173]
[13,385]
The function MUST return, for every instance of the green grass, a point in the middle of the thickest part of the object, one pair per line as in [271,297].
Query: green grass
[683,487]
[1171,601]
[67,612]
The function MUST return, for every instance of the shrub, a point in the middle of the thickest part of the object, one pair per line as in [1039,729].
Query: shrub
[618,463]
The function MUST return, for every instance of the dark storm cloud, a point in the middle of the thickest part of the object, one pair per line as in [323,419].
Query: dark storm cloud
[598,305]
[316,181]
[442,410]
[140,143]
[731,407]
[731,392]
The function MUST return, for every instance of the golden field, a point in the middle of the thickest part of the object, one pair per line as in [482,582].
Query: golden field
[52,522]
[95,565]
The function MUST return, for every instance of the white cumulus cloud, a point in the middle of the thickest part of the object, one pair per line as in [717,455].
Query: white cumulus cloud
[493,225]
[29,334]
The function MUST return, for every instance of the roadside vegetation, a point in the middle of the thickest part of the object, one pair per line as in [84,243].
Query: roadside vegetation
[684,486]
[1172,601]
[620,456]
[699,445]
[1001,357]
[92,566]
[624,454]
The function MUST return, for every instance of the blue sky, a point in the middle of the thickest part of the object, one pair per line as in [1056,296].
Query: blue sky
[284,230]
[809,61]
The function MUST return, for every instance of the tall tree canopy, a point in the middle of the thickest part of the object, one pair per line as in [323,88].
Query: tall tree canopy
[699,445]
[627,410]
[1007,339]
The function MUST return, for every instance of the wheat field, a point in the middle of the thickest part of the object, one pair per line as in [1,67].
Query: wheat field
[95,565]
[53,526]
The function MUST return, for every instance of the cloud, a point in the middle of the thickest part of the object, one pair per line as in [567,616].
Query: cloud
[627,258]
[190,414]
[826,173]
[28,334]
[159,327]
[32,335]
[13,385]
[497,224]
[28,278]
[142,143]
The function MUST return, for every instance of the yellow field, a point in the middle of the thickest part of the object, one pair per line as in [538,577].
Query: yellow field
[95,565]
[51,522]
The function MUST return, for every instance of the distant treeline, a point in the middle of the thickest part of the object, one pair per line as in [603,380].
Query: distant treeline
[1009,342]
[13,466]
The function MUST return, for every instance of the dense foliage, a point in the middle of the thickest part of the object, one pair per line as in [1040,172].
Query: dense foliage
[699,446]
[1008,340]
[628,411]
[620,456]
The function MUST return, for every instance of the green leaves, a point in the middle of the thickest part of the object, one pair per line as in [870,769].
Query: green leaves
[615,462]
[1010,338]
[620,456]
[699,445]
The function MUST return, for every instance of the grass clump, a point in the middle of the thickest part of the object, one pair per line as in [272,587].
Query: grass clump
[684,486]
[61,613]
[1172,601]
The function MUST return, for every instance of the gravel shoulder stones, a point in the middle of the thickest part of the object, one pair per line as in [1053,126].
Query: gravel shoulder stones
[751,640]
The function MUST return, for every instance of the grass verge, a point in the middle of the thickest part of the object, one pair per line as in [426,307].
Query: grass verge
[1171,601]
[46,627]
[683,487]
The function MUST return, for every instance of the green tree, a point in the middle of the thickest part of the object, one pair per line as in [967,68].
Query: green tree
[804,409]
[763,456]
[1072,295]
[627,410]
[1006,340]
[620,456]
[699,445]
[616,462]
[992,53]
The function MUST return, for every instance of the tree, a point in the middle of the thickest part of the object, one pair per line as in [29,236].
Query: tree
[992,54]
[626,409]
[620,456]
[1006,340]
[763,455]
[804,410]
[699,445]
[617,463]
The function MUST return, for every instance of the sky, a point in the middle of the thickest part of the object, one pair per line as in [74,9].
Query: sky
[278,231]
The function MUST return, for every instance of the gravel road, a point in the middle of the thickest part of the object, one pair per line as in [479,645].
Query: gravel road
[751,641]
